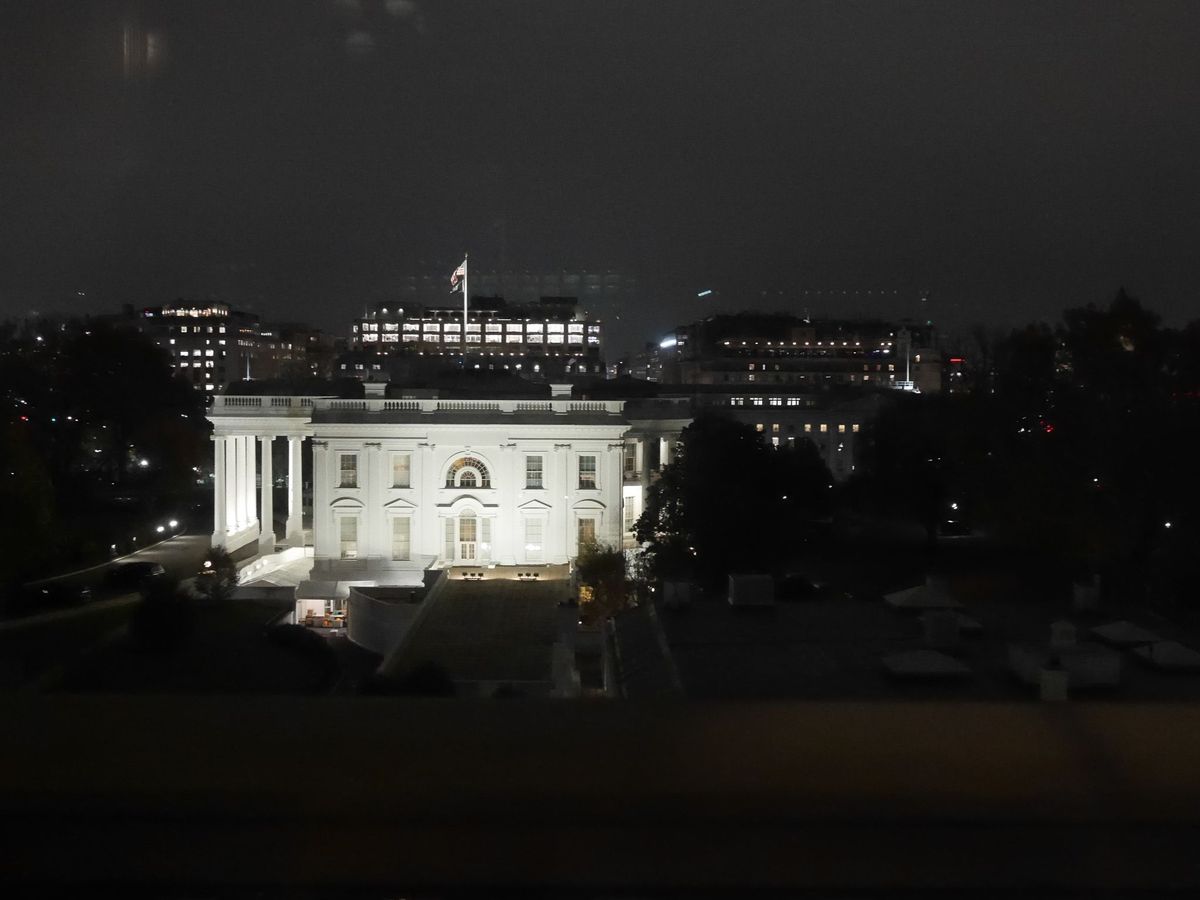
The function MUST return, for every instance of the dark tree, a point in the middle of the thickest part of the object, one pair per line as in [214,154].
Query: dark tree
[731,503]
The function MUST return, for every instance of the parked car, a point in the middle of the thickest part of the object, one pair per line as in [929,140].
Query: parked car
[133,575]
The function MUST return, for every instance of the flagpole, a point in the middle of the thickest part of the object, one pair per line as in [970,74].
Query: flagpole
[466,267]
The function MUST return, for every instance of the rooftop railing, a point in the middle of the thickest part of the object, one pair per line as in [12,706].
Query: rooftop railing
[295,406]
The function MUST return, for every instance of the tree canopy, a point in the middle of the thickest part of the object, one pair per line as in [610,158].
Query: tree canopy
[731,503]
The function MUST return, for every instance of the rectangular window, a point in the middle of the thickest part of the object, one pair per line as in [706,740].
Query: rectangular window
[533,473]
[448,542]
[401,470]
[348,534]
[629,513]
[587,473]
[854,428]
[587,531]
[776,401]
[401,537]
[841,429]
[756,401]
[631,460]
[348,470]
[533,540]
[793,401]
[824,428]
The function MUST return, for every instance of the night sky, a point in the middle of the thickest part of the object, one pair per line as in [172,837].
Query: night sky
[297,158]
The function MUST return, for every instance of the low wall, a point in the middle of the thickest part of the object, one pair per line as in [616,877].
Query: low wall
[378,618]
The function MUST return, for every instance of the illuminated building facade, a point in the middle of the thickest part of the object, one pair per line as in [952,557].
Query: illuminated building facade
[545,338]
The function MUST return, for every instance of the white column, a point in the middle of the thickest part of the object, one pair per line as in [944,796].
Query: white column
[323,542]
[251,470]
[611,492]
[266,530]
[295,517]
[559,526]
[504,528]
[220,520]
[232,523]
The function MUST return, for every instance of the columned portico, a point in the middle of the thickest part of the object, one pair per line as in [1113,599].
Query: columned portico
[244,508]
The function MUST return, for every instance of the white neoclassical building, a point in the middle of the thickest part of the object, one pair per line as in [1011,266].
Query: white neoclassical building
[403,485]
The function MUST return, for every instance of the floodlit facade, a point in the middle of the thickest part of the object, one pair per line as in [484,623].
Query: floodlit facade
[403,485]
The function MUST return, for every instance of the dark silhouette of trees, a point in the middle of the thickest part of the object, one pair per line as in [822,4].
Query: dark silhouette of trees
[81,405]
[1078,444]
[731,503]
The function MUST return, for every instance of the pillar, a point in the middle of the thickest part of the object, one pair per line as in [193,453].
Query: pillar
[220,516]
[612,491]
[508,523]
[251,470]
[295,517]
[232,522]
[560,550]
[266,529]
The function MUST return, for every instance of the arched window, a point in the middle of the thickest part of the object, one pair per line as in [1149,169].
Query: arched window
[468,472]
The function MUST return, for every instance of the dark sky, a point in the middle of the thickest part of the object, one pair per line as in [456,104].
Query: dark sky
[296,158]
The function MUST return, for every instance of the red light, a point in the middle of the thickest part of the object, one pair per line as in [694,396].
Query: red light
[1048,427]
[24,418]
[957,360]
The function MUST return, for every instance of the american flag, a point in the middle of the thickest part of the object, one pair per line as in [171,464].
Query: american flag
[459,274]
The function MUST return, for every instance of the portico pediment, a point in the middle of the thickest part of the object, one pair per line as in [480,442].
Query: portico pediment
[399,503]
[535,506]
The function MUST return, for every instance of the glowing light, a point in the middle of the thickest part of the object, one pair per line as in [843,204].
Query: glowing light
[667,342]
[143,463]
[160,529]
[1166,524]
[704,293]
[174,523]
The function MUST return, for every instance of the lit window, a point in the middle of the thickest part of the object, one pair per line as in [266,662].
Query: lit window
[824,428]
[758,427]
[348,533]
[401,470]
[587,473]
[533,472]
[735,401]
[841,429]
[348,470]
[756,401]
[808,427]
[793,401]
[775,428]
[776,401]
[587,531]
[468,472]
[854,428]
[401,537]
[533,540]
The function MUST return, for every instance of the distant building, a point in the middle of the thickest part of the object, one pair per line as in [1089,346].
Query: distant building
[645,365]
[778,349]
[546,338]
[212,345]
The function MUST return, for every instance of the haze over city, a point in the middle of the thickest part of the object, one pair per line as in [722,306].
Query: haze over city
[1010,159]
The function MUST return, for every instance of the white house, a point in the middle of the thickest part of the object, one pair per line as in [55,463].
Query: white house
[403,485]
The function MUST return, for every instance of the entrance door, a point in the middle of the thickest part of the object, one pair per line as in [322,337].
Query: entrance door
[467,538]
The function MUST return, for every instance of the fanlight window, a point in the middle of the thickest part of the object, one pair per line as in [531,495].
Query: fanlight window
[468,472]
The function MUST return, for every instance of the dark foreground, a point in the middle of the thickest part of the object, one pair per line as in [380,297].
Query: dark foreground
[377,797]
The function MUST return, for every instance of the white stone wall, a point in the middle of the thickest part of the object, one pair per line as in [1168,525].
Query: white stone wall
[428,503]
